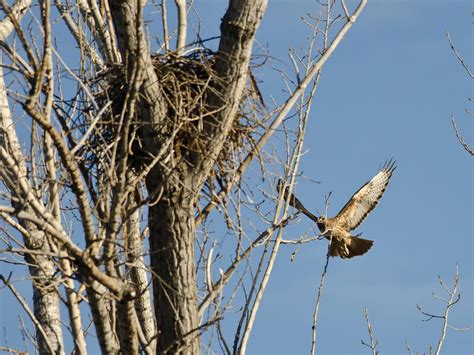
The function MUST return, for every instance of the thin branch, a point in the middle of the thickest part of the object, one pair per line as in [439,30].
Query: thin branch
[77,33]
[83,259]
[346,11]
[373,341]
[13,351]
[461,60]
[283,202]
[460,139]
[300,241]
[86,135]
[28,311]
[453,299]
[227,275]
[452,294]
[318,301]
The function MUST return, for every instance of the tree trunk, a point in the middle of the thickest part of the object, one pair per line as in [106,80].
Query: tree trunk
[46,305]
[171,219]
[45,295]
[172,236]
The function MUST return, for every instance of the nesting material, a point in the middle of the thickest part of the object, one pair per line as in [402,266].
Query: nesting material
[186,82]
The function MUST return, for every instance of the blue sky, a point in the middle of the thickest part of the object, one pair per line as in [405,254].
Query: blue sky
[388,91]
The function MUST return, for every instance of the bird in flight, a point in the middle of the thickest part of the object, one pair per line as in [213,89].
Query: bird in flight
[338,228]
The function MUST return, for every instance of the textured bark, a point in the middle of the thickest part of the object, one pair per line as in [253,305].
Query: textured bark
[101,313]
[46,302]
[138,276]
[238,29]
[134,49]
[127,328]
[46,305]
[172,236]
[75,317]
[171,219]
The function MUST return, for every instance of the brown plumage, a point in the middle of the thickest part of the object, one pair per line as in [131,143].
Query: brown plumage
[355,211]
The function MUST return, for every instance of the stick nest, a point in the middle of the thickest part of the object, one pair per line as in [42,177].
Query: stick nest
[185,83]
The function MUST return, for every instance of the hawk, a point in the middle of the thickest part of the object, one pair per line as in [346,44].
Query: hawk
[338,228]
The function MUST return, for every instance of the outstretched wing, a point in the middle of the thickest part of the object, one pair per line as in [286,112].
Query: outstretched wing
[365,200]
[294,202]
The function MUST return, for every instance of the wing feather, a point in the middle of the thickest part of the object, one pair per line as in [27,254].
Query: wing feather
[366,198]
[294,202]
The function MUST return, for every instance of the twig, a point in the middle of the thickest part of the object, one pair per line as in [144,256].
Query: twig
[300,241]
[373,341]
[454,297]
[460,139]
[318,301]
[13,351]
[461,60]
[90,128]
[226,276]
[346,11]
[28,311]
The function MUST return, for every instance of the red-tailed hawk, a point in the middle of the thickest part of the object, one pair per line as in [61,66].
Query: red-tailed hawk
[344,244]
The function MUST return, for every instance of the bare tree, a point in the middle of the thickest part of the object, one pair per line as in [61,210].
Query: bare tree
[112,160]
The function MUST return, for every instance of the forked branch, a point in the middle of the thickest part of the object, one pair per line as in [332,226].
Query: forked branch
[453,298]
[373,341]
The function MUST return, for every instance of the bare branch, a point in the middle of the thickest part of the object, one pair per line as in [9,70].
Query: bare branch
[28,311]
[346,11]
[13,351]
[461,60]
[83,259]
[318,301]
[460,139]
[373,341]
[226,276]
[77,33]
[291,174]
[17,11]
[182,26]
[453,298]
[164,22]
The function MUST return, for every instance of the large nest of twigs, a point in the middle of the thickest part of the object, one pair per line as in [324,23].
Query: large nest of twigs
[185,84]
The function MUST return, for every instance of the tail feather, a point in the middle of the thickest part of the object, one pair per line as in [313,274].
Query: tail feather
[359,246]
[347,248]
